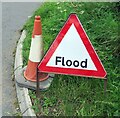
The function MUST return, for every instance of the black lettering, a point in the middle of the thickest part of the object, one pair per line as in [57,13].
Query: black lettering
[68,62]
[63,61]
[58,59]
[76,63]
[84,64]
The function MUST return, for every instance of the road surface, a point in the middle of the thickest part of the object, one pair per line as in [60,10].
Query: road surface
[14,16]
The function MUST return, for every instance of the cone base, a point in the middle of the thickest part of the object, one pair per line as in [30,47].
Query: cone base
[42,77]
[22,82]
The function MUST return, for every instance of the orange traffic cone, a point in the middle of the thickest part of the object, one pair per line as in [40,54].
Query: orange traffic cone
[36,53]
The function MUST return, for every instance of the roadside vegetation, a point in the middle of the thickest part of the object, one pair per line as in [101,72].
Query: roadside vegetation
[80,96]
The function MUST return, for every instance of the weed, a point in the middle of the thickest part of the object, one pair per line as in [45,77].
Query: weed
[79,96]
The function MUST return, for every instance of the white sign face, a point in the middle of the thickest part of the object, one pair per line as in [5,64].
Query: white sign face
[71,53]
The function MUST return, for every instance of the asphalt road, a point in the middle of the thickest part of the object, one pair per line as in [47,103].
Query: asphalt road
[0,60]
[14,16]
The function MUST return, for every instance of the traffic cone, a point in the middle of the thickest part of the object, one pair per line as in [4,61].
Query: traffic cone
[36,53]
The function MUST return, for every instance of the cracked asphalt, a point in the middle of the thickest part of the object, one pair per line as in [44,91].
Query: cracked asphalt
[14,16]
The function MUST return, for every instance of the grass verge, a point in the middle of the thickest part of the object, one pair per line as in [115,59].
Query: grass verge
[79,96]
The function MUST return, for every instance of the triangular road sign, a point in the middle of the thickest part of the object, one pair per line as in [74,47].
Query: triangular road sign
[72,53]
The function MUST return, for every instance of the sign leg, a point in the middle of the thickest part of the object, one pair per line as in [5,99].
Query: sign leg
[105,86]
[37,84]
[38,90]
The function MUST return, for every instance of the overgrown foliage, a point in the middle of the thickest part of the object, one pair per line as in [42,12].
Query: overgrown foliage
[79,96]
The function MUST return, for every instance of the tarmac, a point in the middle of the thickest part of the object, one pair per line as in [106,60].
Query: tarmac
[14,16]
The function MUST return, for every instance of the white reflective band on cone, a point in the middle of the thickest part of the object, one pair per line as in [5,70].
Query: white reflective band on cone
[36,49]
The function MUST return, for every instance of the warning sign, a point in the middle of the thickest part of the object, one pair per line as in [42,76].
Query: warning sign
[72,53]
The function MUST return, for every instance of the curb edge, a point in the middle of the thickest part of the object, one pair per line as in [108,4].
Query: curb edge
[24,100]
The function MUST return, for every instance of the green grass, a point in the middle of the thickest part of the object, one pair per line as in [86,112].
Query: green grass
[79,96]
